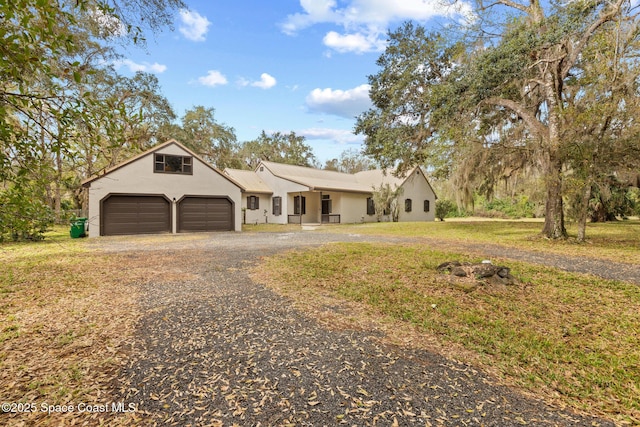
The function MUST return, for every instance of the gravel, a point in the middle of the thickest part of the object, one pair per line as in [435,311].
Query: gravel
[215,348]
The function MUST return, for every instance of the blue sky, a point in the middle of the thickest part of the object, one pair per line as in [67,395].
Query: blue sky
[280,65]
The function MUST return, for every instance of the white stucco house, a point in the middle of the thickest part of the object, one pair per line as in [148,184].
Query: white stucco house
[256,197]
[281,194]
[167,189]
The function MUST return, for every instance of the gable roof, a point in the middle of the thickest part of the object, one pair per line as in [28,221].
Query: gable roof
[249,181]
[317,179]
[376,177]
[87,182]
[320,179]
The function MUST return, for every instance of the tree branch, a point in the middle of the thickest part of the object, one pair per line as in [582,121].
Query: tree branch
[512,4]
[533,124]
[573,56]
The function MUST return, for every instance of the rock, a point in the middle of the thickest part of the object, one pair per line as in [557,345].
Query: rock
[448,265]
[459,272]
[482,271]
[468,277]
[504,272]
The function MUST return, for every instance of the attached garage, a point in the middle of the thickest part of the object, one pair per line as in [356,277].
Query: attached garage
[167,189]
[203,213]
[135,214]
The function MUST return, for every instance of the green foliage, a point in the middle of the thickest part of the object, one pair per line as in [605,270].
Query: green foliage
[399,130]
[612,201]
[548,89]
[350,161]
[23,216]
[445,208]
[288,148]
[385,199]
[520,207]
[213,141]
[63,114]
[634,198]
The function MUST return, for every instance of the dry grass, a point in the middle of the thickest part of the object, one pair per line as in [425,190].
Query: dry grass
[271,228]
[617,241]
[67,314]
[66,318]
[572,338]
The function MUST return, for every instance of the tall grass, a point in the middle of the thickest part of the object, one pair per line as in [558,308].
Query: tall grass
[616,241]
[571,337]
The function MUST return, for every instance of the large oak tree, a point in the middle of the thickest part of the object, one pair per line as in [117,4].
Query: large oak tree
[510,81]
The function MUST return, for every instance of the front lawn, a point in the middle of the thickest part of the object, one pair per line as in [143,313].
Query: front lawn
[617,241]
[572,338]
[65,315]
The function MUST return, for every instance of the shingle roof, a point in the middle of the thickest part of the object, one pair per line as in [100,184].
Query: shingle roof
[153,149]
[319,179]
[376,177]
[249,181]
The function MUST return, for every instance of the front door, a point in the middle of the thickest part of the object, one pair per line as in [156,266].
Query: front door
[326,206]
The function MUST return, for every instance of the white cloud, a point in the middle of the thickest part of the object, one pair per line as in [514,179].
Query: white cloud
[365,21]
[358,43]
[316,11]
[339,135]
[213,78]
[344,103]
[266,81]
[144,67]
[194,26]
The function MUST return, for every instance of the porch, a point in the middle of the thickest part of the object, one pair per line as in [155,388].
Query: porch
[324,219]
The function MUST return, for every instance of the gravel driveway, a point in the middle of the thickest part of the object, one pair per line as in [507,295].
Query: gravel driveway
[214,348]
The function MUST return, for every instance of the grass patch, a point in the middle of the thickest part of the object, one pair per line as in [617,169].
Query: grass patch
[615,241]
[571,337]
[66,313]
[270,228]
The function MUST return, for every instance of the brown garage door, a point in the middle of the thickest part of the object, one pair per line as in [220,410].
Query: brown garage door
[139,214]
[205,214]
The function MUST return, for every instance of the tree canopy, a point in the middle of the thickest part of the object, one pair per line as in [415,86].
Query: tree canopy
[350,161]
[278,147]
[548,87]
[62,111]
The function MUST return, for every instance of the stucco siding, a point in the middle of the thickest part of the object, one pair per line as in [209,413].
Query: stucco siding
[138,177]
[417,188]
[257,216]
[282,188]
[353,208]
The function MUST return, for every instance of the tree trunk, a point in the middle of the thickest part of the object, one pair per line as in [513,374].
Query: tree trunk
[554,215]
[584,212]
[57,188]
[554,211]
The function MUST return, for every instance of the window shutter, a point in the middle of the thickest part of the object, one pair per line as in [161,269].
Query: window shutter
[371,206]
[277,205]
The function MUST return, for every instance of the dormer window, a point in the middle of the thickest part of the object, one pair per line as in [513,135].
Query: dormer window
[166,163]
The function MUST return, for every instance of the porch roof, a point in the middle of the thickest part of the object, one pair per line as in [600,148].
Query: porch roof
[318,179]
[249,181]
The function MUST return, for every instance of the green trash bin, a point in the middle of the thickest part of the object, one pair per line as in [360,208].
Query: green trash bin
[78,228]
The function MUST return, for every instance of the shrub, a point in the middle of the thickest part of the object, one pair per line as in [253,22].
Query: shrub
[520,207]
[23,216]
[445,208]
